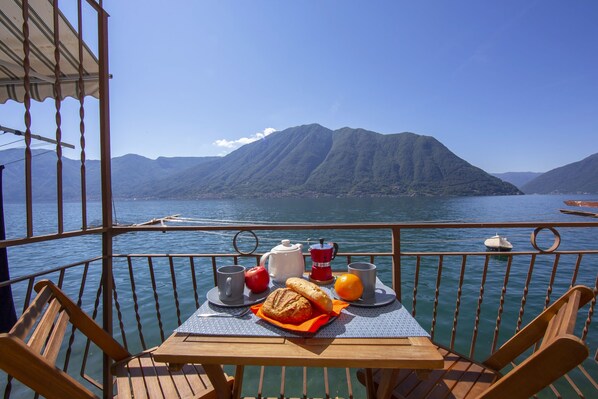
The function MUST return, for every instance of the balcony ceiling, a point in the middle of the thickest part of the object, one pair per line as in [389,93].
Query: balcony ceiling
[41,54]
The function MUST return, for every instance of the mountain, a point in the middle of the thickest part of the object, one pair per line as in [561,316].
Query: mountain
[43,175]
[130,173]
[302,161]
[575,178]
[518,179]
[312,160]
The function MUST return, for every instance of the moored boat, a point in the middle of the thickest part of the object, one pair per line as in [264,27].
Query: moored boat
[581,204]
[498,243]
[589,204]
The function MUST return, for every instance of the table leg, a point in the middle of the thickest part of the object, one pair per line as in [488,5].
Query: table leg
[238,385]
[175,366]
[369,384]
[218,380]
[423,374]
[386,386]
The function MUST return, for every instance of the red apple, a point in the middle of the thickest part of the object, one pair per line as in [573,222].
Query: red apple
[257,279]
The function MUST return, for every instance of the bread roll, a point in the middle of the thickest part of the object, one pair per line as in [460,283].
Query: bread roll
[287,306]
[315,294]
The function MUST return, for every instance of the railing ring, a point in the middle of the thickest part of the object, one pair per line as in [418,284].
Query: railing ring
[555,244]
[257,242]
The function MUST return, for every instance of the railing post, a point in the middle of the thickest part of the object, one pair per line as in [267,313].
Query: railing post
[396,261]
[106,172]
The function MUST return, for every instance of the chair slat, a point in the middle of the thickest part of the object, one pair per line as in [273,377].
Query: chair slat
[181,383]
[553,328]
[123,383]
[42,330]
[467,380]
[484,381]
[435,376]
[53,346]
[570,314]
[199,381]
[564,321]
[153,383]
[137,379]
[30,315]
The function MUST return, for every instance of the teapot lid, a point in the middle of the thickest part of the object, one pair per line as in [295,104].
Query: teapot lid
[286,246]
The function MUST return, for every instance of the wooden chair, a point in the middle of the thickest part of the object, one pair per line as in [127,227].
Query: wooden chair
[30,356]
[558,352]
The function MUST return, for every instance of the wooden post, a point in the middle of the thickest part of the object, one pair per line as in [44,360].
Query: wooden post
[106,193]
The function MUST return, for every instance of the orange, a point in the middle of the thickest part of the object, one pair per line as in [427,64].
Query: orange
[348,287]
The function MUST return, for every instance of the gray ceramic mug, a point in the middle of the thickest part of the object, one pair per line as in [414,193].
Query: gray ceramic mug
[367,274]
[231,283]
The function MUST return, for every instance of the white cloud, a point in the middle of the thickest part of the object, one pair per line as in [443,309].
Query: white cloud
[233,144]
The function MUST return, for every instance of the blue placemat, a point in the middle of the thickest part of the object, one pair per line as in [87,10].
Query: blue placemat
[389,321]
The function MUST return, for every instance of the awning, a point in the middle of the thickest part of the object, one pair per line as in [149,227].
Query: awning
[41,54]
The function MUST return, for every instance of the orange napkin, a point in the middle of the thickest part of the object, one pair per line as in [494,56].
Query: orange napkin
[312,325]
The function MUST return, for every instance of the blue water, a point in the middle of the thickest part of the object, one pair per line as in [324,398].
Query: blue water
[531,208]
[46,255]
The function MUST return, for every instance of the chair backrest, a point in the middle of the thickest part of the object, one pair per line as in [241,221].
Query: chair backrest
[558,351]
[30,349]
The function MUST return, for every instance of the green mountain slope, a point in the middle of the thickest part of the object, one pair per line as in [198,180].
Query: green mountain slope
[312,160]
[574,178]
[367,163]
[131,174]
[303,161]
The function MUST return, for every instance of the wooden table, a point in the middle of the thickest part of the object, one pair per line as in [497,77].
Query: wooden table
[390,354]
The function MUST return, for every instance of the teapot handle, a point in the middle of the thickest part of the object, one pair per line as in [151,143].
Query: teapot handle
[335,245]
[263,259]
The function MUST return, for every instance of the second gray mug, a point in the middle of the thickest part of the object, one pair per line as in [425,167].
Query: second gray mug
[367,274]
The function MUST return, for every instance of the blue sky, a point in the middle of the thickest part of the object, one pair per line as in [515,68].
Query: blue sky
[505,85]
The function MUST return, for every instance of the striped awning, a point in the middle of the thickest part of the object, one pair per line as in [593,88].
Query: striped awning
[77,63]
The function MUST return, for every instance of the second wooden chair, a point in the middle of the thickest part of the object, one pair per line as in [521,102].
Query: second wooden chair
[558,352]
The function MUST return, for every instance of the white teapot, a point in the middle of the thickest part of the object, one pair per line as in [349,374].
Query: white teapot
[286,260]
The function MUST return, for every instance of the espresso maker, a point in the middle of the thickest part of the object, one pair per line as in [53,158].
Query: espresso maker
[321,255]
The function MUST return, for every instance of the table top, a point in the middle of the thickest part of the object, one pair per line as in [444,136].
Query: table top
[381,337]
[411,352]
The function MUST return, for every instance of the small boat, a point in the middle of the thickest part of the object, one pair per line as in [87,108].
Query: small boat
[585,204]
[498,243]
[589,204]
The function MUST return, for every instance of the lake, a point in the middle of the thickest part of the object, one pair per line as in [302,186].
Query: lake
[528,208]
[541,208]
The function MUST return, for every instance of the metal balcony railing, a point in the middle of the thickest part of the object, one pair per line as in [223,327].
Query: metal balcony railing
[468,300]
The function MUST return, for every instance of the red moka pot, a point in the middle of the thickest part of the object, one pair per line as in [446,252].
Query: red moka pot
[321,255]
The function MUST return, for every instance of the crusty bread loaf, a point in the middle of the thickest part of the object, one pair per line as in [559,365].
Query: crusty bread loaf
[315,294]
[287,306]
